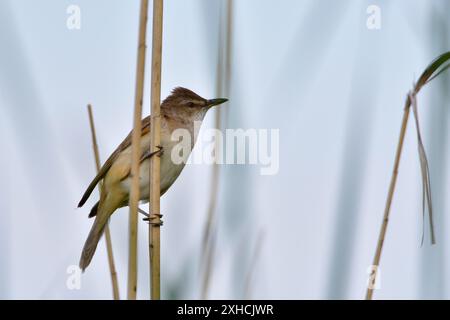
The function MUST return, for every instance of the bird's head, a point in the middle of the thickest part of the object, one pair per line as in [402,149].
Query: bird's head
[187,104]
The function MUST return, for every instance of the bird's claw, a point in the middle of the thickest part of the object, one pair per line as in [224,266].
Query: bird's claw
[160,151]
[155,220]
[151,219]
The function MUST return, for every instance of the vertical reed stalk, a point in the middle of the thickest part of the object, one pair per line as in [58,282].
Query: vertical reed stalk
[136,152]
[253,264]
[155,125]
[222,86]
[208,241]
[109,249]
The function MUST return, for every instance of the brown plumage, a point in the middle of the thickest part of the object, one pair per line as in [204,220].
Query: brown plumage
[179,110]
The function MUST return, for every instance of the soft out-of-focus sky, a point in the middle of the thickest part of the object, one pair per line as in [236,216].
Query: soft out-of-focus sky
[310,68]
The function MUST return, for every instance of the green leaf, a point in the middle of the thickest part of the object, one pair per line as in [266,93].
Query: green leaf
[439,65]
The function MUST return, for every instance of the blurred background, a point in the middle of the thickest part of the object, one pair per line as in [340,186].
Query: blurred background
[312,69]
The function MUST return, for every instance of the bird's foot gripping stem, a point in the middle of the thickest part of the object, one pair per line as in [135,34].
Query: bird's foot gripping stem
[154,219]
[160,151]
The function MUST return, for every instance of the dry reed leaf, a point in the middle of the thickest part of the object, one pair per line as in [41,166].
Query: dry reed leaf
[426,184]
[436,68]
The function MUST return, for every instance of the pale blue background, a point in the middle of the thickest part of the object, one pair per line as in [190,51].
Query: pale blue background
[309,68]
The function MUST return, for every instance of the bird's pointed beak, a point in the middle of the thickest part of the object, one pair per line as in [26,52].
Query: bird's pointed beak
[216,102]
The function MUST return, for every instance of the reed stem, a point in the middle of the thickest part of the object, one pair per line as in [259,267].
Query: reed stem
[384,225]
[136,152]
[155,162]
[222,89]
[109,249]
[434,69]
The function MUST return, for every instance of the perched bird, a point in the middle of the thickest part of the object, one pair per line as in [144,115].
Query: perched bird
[180,110]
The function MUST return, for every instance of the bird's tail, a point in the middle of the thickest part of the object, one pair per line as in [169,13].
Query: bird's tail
[91,244]
[106,208]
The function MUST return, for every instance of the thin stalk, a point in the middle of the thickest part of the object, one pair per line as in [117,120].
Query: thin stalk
[208,242]
[222,86]
[155,162]
[384,225]
[253,264]
[209,246]
[436,68]
[136,152]
[109,249]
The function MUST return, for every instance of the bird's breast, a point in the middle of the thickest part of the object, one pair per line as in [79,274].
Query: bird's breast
[170,170]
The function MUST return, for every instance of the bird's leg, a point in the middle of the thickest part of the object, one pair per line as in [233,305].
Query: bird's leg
[147,155]
[151,218]
[147,216]
[157,217]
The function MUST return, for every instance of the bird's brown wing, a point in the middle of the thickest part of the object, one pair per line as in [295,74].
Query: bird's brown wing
[105,168]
